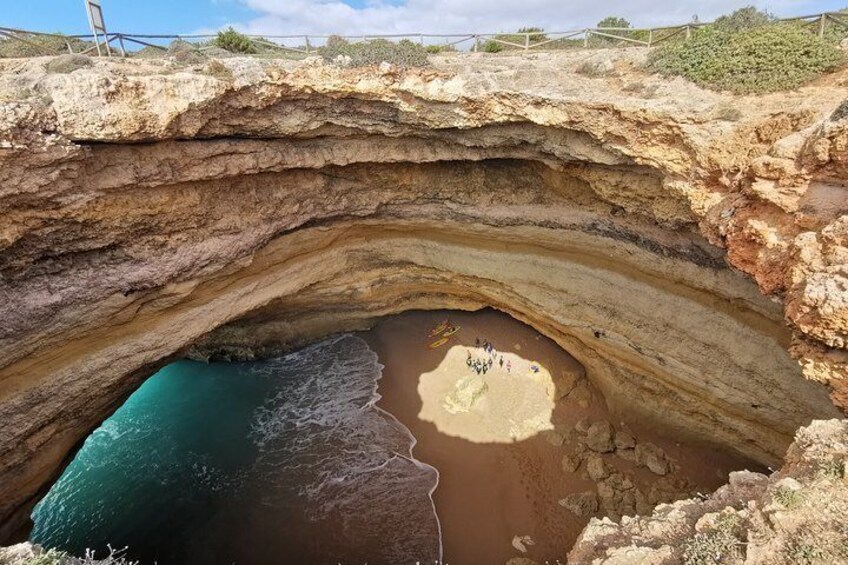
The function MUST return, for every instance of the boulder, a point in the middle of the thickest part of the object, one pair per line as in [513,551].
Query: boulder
[600,437]
[554,437]
[623,440]
[788,484]
[581,503]
[596,467]
[626,454]
[581,395]
[563,383]
[654,458]
[570,463]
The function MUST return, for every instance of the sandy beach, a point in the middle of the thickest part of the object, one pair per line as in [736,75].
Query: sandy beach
[498,439]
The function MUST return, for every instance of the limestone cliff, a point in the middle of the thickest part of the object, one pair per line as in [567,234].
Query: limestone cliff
[694,265]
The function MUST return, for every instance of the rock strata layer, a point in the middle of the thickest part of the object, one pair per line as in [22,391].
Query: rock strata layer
[695,267]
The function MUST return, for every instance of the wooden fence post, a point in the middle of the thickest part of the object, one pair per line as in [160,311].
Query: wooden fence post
[526,41]
[822,24]
[586,39]
[650,37]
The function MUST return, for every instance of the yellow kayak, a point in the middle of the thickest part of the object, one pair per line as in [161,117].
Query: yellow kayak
[451,331]
[438,343]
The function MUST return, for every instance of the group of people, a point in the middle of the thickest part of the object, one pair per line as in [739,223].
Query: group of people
[483,365]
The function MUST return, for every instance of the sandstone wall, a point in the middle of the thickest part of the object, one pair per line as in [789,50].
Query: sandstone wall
[696,267]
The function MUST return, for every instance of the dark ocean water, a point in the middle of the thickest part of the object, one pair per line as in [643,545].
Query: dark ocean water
[278,461]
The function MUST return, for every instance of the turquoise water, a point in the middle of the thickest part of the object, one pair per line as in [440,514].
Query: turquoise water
[278,461]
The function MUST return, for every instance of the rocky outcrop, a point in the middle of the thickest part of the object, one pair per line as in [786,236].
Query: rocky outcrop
[797,515]
[696,267]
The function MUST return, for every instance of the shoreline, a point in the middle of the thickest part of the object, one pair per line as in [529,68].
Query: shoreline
[375,404]
[522,497]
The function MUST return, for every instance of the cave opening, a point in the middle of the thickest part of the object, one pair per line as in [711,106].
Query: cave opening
[380,446]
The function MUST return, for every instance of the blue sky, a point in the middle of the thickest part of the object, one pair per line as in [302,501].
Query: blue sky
[371,16]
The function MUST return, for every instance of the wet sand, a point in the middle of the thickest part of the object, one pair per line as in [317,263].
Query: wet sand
[491,491]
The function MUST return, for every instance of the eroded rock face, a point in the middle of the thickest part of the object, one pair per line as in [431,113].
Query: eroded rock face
[150,210]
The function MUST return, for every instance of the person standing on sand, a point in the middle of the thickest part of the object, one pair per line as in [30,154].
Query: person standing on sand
[501,361]
[477,342]
[508,366]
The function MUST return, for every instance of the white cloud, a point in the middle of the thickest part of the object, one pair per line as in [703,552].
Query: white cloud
[282,17]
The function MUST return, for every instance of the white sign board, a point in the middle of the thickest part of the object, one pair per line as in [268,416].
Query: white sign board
[97,23]
[96,15]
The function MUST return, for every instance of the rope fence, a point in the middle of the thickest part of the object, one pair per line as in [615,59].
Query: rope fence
[308,44]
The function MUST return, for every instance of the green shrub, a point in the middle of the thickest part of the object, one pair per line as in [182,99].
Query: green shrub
[743,19]
[765,58]
[833,31]
[433,49]
[234,42]
[787,497]
[805,554]
[404,53]
[613,21]
[492,46]
[714,547]
[536,34]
